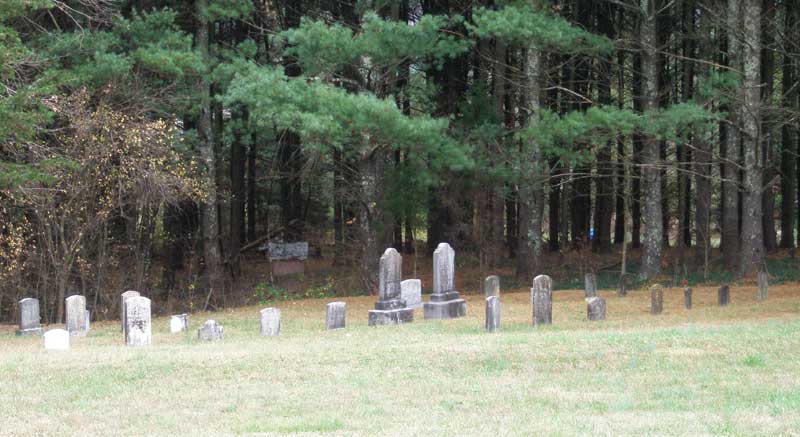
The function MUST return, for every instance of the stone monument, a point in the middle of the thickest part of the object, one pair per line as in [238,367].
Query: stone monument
[445,302]
[270,322]
[390,308]
[29,317]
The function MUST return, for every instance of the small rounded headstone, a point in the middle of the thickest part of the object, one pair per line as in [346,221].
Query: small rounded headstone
[270,322]
[724,295]
[210,331]
[596,308]
[56,340]
[687,297]
[411,292]
[179,323]
[542,300]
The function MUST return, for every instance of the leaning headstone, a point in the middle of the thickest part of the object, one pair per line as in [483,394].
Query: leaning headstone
[122,298]
[179,323]
[763,285]
[390,308]
[445,303]
[491,286]
[56,340]
[29,318]
[138,329]
[411,293]
[542,300]
[334,315]
[270,322]
[492,313]
[596,308]
[210,331]
[88,320]
[590,285]
[76,315]
[687,297]
[656,299]
[723,295]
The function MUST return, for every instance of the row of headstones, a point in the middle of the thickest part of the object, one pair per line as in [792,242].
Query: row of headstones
[590,288]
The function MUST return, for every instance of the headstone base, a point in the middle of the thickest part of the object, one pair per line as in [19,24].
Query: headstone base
[391,317]
[449,309]
[31,331]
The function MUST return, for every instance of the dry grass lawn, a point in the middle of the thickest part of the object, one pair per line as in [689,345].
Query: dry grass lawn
[711,370]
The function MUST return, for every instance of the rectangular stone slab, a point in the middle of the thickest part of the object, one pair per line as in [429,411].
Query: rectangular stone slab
[391,317]
[448,309]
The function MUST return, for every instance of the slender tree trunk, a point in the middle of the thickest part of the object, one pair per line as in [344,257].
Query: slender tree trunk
[651,259]
[768,126]
[604,182]
[730,176]
[752,236]
[788,131]
[237,173]
[530,241]
[619,224]
[208,209]
[702,164]
[636,195]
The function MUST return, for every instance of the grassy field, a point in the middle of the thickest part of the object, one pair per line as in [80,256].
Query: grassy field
[707,371]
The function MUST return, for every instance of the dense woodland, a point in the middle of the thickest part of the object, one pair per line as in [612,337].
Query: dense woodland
[153,145]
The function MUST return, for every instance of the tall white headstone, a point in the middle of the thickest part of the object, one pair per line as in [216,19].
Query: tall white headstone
[445,303]
[122,298]
[138,329]
[76,315]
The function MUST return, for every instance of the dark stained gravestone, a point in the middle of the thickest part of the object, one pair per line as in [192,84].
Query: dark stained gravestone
[29,317]
[596,308]
[492,314]
[590,285]
[687,297]
[390,308]
[763,285]
[542,300]
[723,295]
[656,299]
[491,286]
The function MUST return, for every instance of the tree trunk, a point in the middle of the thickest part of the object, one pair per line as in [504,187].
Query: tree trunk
[788,131]
[752,236]
[604,182]
[208,209]
[651,258]
[767,132]
[620,216]
[237,172]
[730,176]
[530,241]
[636,194]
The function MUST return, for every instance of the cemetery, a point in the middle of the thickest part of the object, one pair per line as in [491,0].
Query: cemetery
[625,364]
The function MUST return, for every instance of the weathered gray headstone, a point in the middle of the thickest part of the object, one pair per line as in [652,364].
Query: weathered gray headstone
[723,295]
[596,308]
[138,329]
[445,303]
[29,317]
[492,313]
[210,331]
[179,323]
[390,308]
[122,298]
[590,285]
[763,285]
[656,299]
[56,340]
[542,300]
[270,322]
[411,293]
[334,315]
[491,286]
[76,315]
[687,297]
